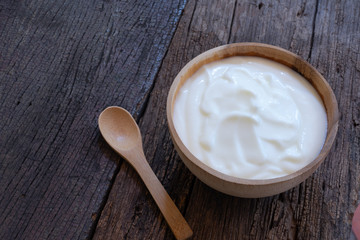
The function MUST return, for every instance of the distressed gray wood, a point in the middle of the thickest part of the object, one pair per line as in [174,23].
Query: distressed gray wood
[61,63]
[322,32]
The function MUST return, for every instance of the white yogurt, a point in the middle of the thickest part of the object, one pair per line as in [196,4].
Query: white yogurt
[250,117]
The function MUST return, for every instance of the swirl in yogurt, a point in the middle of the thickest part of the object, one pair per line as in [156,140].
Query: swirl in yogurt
[250,117]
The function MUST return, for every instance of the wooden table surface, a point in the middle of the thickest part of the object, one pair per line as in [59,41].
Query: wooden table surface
[63,62]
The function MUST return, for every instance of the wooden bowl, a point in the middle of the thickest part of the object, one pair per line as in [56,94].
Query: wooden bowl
[247,187]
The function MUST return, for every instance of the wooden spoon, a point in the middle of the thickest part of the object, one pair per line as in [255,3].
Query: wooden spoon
[123,134]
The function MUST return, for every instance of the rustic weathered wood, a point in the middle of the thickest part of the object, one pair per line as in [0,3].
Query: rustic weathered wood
[335,53]
[141,219]
[61,64]
[322,32]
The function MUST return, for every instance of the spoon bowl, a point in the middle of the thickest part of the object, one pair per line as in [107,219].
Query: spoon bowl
[119,129]
[121,132]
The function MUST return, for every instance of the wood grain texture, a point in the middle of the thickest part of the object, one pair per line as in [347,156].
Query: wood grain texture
[336,54]
[61,63]
[324,33]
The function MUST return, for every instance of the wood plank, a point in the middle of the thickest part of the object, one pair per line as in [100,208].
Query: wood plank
[320,208]
[130,212]
[283,24]
[322,32]
[336,54]
[61,63]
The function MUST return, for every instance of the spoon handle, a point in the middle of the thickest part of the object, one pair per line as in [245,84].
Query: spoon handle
[173,217]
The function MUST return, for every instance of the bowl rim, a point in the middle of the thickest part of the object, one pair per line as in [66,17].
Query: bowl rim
[259,50]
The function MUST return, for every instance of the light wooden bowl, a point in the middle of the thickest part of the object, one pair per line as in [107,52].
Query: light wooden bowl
[246,187]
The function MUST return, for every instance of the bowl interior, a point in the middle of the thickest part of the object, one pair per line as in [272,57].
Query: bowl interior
[275,54]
